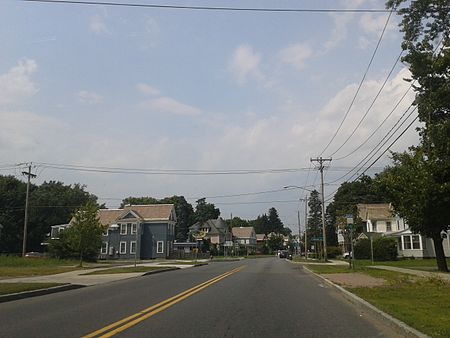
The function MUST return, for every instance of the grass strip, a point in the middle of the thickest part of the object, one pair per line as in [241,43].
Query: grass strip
[8,288]
[125,270]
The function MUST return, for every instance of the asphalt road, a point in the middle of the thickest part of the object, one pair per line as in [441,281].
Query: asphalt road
[265,297]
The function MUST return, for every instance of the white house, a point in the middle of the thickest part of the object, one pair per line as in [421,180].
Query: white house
[380,219]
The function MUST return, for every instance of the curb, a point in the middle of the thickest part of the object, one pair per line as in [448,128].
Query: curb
[159,271]
[404,328]
[39,292]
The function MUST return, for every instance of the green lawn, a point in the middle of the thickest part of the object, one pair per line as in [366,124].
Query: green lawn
[7,288]
[23,267]
[126,270]
[423,303]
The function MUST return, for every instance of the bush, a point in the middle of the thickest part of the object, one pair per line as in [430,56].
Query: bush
[333,251]
[362,249]
[385,249]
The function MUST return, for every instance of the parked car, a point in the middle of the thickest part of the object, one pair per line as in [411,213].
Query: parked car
[34,254]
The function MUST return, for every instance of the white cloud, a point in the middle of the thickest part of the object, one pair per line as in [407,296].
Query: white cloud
[97,25]
[89,97]
[374,23]
[171,106]
[245,64]
[17,84]
[296,55]
[339,31]
[147,89]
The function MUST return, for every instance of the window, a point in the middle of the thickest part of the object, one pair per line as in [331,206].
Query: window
[160,247]
[134,228]
[388,226]
[415,241]
[129,228]
[407,242]
[123,247]
[247,241]
[104,249]
[133,247]
[374,226]
[123,229]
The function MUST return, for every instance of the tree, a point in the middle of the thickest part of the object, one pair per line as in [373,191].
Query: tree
[12,204]
[205,211]
[145,200]
[84,236]
[426,41]
[53,203]
[237,222]
[275,224]
[185,215]
[261,224]
[418,197]
[314,228]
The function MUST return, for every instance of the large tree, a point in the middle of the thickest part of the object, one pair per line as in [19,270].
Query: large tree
[314,226]
[275,223]
[205,211]
[12,204]
[426,43]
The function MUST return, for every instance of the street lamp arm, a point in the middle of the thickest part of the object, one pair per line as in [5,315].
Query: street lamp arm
[296,187]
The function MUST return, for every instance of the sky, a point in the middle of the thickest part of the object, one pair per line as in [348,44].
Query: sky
[173,89]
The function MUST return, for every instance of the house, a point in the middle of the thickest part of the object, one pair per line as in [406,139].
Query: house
[380,219]
[245,238]
[214,230]
[136,231]
[260,242]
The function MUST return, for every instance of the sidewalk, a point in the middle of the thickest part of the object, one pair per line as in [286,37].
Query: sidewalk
[77,277]
[444,276]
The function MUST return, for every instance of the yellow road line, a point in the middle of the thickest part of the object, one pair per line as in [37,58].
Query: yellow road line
[154,309]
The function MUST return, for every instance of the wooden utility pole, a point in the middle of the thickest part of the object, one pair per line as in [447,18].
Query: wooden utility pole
[321,160]
[25,223]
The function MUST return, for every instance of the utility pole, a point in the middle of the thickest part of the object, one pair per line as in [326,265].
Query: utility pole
[321,160]
[306,227]
[25,223]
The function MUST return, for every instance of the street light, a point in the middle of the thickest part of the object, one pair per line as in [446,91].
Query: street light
[298,216]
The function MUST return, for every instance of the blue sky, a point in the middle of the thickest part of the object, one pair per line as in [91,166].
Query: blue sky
[204,90]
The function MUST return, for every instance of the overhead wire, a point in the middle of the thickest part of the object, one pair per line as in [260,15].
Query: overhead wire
[212,8]
[360,83]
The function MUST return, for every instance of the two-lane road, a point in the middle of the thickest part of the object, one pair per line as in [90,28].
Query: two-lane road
[265,297]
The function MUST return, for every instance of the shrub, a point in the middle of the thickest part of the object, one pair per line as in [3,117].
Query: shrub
[333,251]
[362,249]
[384,249]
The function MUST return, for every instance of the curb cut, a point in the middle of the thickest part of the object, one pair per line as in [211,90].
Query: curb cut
[39,292]
[405,329]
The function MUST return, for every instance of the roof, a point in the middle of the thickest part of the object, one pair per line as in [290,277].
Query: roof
[375,211]
[243,232]
[260,237]
[151,212]
[215,226]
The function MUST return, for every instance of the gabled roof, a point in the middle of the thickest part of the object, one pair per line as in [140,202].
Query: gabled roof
[260,237]
[214,226]
[151,212]
[243,232]
[380,211]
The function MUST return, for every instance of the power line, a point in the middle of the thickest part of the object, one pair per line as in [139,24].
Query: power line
[360,84]
[370,106]
[213,8]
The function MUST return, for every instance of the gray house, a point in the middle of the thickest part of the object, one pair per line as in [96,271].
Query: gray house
[136,231]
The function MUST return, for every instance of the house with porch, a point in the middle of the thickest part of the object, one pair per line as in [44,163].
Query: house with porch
[136,231]
[214,230]
[380,220]
[245,238]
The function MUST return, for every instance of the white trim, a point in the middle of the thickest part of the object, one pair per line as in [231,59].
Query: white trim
[131,247]
[158,248]
[123,226]
[124,251]
[106,248]
[134,228]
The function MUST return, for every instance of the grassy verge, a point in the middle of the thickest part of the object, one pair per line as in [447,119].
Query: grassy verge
[423,303]
[24,267]
[178,263]
[8,288]
[125,270]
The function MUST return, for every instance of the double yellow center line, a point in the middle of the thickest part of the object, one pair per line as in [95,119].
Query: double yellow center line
[126,323]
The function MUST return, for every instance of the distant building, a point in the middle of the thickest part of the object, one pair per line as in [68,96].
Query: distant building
[245,238]
[214,230]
